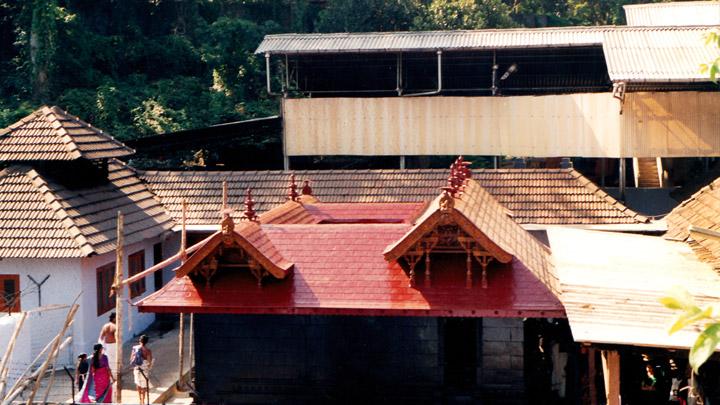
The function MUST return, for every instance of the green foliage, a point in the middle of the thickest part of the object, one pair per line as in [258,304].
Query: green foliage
[368,15]
[690,316]
[713,67]
[465,14]
[140,67]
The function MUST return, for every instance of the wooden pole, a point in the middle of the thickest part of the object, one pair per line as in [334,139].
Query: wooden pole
[611,373]
[191,347]
[591,377]
[4,365]
[53,352]
[119,307]
[181,333]
[181,350]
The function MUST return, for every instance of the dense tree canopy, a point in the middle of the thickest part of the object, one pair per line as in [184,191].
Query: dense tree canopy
[140,67]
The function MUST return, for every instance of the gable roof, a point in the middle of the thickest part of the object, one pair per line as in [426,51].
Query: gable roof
[41,218]
[339,270]
[50,133]
[488,222]
[535,196]
[632,53]
[251,238]
[702,209]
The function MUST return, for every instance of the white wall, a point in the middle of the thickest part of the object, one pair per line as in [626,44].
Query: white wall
[91,321]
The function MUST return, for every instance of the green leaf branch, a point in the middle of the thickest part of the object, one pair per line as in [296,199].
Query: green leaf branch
[691,315]
[713,67]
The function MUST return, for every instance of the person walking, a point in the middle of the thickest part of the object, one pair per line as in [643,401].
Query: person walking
[108,338]
[98,385]
[81,370]
[141,359]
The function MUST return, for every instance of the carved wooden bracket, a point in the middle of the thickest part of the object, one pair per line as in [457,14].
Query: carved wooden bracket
[448,238]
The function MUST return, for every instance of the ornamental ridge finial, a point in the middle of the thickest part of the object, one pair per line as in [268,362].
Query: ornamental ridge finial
[306,189]
[249,212]
[292,193]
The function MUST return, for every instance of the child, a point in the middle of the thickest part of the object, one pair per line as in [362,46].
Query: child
[81,369]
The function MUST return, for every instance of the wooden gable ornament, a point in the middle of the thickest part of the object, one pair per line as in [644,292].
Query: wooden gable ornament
[243,246]
[443,228]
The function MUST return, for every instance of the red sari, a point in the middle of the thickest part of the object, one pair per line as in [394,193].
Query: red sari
[98,387]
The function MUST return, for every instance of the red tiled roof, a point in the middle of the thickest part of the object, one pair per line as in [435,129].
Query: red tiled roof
[535,196]
[340,269]
[52,134]
[41,218]
[252,239]
[702,209]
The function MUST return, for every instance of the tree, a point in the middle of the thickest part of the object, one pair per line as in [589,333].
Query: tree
[368,15]
[464,15]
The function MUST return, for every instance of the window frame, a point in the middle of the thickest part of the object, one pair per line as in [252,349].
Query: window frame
[136,264]
[104,278]
[15,278]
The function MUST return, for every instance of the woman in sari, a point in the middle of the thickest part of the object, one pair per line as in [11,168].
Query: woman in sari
[98,386]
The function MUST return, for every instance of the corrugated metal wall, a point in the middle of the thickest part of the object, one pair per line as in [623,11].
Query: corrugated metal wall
[675,124]
[654,124]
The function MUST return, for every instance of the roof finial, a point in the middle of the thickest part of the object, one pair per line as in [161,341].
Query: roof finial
[249,213]
[293,194]
[306,189]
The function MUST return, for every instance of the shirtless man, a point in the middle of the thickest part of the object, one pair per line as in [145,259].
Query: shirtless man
[108,340]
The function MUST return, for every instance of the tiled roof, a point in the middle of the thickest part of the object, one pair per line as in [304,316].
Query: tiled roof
[535,196]
[487,222]
[701,210]
[339,269]
[249,236]
[41,218]
[52,134]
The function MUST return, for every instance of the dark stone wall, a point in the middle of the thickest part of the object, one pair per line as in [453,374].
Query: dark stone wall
[316,359]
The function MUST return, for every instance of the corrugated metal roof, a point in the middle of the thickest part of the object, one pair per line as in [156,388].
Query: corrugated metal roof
[658,54]
[611,284]
[431,40]
[632,53]
[673,13]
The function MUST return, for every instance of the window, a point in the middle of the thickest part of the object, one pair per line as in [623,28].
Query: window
[9,293]
[105,277]
[136,264]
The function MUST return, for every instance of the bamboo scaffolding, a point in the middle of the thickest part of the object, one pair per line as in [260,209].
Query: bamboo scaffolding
[53,351]
[5,364]
[21,383]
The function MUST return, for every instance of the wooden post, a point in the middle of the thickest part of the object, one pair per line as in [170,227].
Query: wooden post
[611,374]
[119,307]
[4,369]
[591,377]
[181,333]
[191,348]
[181,350]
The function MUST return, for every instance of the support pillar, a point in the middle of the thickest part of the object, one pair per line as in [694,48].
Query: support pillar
[402,162]
[592,390]
[611,375]
[621,180]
